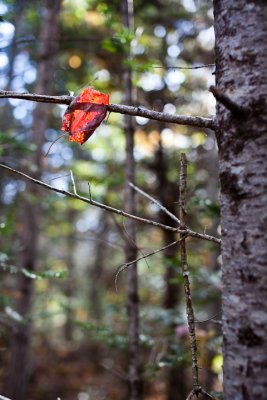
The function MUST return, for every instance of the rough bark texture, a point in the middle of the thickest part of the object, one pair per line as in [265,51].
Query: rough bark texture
[21,338]
[241,48]
[134,369]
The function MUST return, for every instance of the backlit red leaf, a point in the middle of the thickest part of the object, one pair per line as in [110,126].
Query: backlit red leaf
[84,114]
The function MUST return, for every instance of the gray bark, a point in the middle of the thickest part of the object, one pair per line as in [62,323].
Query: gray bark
[241,48]
[21,338]
[134,364]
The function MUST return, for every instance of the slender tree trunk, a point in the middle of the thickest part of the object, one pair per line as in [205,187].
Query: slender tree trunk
[134,371]
[176,381]
[96,271]
[241,64]
[70,283]
[21,338]
[19,18]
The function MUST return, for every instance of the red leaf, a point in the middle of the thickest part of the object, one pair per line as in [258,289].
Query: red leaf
[84,114]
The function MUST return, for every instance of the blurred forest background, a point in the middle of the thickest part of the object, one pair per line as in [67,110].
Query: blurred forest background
[63,323]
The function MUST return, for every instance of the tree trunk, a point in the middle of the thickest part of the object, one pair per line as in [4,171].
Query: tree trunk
[21,338]
[134,365]
[241,48]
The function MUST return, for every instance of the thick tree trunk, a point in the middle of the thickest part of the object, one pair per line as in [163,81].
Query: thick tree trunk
[21,338]
[134,365]
[241,48]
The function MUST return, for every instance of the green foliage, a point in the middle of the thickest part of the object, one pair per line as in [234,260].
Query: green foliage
[49,274]
[103,334]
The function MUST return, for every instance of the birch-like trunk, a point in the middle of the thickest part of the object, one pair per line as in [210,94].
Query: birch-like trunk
[241,65]
[21,335]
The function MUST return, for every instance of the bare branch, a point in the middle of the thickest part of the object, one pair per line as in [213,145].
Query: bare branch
[73,183]
[116,371]
[89,201]
[90,192]
[201,122]
[189,232]
[164,209]
[189,305]
[203,236]
[207,395]
[197,389]
[191,395]
[209,319]
[227,102]
[123,266]
[195,67]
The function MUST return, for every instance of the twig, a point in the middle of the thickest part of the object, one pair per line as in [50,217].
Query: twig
[89,189]
[54,141]
[207,395]
[209,319]
[73,183]
[123,266]
[227,102]
[116,371]
[130,240]
[201,122]
[189,306]
[173,67]
[189,232]
[164,209]
[203,236]
[191,395]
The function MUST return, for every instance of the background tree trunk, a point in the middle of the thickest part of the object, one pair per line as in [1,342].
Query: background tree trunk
[134,367]
[21,338]
[241,48]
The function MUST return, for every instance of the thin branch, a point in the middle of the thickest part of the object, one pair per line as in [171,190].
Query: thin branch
[123,266]
[209,319]
[201,122]
[73,183]
[130,240]
[227,101]
[207,395]
[164,209]
[189,232]
[116,371]
[189,305]
[54,141]
[90,192]
[173,67]
[89,201]
[191,395]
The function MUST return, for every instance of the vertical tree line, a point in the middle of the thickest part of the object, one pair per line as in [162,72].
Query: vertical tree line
[132,303]
[20,356]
